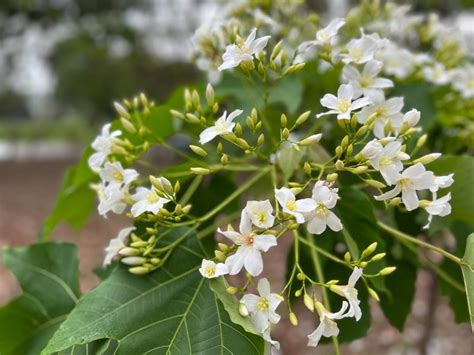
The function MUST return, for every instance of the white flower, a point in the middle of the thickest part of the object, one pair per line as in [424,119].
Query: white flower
[436,74]
[287,200]
[441,182]
[147,200]
[102,145]
[360,50]
[351,294]
[411,118]
[238,53]
[210,269]
[116,244]
[367,82]
[438,207]
[408,182]
[260,213]
[262,308]
[250,247]
[327,326]
[463,81]
[111,198]
[397,61]
[386,110]
[223,125]
[321,217]
[342,105]
[387,160]
[114,173]
[325,36]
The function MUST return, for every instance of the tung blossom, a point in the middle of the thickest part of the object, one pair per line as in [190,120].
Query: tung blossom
[260,213]
[250,246]
[408,182]
[115,174]
[436,74]
[102,145]
[327,326]
[116,244]
[297,208]
[438,207]
[350,293]
[244,52]
[326,36]
[262,308]
[209,269]
[342,105]
[366,82]
[322,216]
[147,200]
[360,50]
[223,125]
[112,197]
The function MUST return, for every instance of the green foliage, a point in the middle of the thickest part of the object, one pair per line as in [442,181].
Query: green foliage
[48,276]
[172,310]
[468,274]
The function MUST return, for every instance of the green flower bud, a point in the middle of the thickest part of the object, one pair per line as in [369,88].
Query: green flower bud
[387,270]
[373,294]
[308,302]
[293,319]
[198,150]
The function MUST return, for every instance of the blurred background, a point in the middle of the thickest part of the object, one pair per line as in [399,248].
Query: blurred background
[63,63]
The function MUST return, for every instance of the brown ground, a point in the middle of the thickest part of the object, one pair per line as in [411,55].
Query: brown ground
[27,192]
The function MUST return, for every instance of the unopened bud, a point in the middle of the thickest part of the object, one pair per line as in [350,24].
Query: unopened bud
[369,250]
[139,244]
[345,142]
[363,264]
[121,110]
[294,68]
[128,125]
[283,120]
[378,257]
[371,119]
[395,201]
[375,183]
[133,260]
[210,95]
[261,139]
[177,114]
[338,151]
[428,158]
[360,169]
[347,257]
[231,290]
[315,138]
[220,149]
[293,319]
[331,177]
[339,165]
[285,133]
[302,118]
[296,190]
[387,270]
[219,255]
[244,312]
[308,302]
[307,168]
[198,150]
[250,123]
[224,159]
[421,141]
[337,290]
[361,131]
[298,293]
[200,171]
[139,270]
[196,99]
[300,276]
[192,118]
[373,294]
[127,251]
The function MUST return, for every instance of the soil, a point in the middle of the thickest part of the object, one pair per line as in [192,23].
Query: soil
[27,194]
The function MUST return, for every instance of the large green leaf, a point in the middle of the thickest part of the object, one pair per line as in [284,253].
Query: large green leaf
[468,274]
[170,311]
[48,276]
[462,190]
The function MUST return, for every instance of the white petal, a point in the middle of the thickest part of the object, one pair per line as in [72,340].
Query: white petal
[359,103]
[355,276]
[305,205]
[316,225]
[389,194]
[345,92]
[208,135]
[250,301]
[410,199]
[333,222]
[329,101]
[253,262]
[235,262]
[264,287]
[264,242]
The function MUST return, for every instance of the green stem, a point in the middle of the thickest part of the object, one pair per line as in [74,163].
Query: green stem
[324,252]
[191,190]
[402,236]
[234,195]
[319,273]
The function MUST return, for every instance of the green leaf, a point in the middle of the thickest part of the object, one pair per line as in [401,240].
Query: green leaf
[48,276]
[231,304]
[172,310]
[287,91]
[462,190]
[76,200]
[289,160]
[468,274]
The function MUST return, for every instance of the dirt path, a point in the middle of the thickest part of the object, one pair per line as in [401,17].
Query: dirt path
[27,193]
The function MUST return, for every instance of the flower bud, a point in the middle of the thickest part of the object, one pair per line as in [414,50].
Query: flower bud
[300,276]
[220,149]
[395,201]
[307,168]
[373,294]
[121,110]
[210,95]
[428,158]
[298,293]
[347,257]
[192,118]
[133,260]
[196,99]
[331,177]
[139,244]
[338,151]
[127,251]
[296,190]
[293,319]
[361,131]
[345,142]
[276,50]
[244,312]
[200,171]
[375,183]
[320,308]
[198,150]
[387,270]
[315,138]
[223,247]
[219,255]
[363,264]
[378,257]
[155,261]
[261,139]
[302,118]
[177,114]
[128,125]
[231,290]
[250,123]
[285,133]
[308,302]
[139,270]
[370,249]
[336,289]
[371,119]
[339,165]
[421,141]
[224,159]
[360,169]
